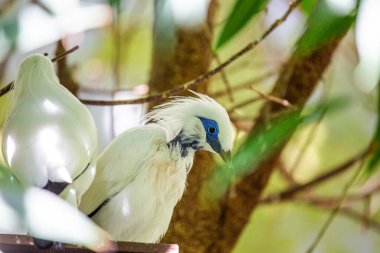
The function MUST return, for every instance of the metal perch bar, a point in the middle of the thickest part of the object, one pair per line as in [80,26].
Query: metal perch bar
[24,244]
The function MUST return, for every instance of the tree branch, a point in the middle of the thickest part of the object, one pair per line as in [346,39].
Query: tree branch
[345,211]
[246,84]
[202,78]
[225,79]
[273,99]
[244,103]
[289,193]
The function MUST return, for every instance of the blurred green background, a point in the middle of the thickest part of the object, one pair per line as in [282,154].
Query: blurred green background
[115,39]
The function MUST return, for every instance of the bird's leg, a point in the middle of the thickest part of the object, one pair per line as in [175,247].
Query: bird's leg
[46,244]
[55,187]
[42,244]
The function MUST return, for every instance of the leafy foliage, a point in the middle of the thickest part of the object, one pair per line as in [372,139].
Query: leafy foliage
[325,23]
[114,2]
[242,12]
[307,6]
[261,144]
[375,158]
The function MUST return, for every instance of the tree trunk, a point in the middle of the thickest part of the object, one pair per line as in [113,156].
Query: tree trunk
[200,224]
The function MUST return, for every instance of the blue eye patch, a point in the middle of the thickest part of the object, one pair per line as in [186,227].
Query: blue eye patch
[211,127]
[212,131]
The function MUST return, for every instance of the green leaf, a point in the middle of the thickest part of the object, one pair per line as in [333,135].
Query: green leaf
[324,24]
[307,6]
[114,2]
[262,143]
[241,13]
[116,5]
[373,163]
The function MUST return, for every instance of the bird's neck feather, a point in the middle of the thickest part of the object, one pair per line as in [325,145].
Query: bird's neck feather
[186,142]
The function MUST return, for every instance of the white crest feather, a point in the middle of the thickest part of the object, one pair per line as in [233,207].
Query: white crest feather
[174,114]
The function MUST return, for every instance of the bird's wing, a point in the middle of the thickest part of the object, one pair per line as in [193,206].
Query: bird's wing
[120,163]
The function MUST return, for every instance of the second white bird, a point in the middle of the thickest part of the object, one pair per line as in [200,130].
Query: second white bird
[142,174]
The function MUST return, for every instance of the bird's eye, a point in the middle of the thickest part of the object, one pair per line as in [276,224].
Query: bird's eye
[211,130]
[210,126]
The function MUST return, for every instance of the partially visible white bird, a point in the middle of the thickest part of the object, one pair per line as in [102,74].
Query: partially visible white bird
[142,174]
[50,137]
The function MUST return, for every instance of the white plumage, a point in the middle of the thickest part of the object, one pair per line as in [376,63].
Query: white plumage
[49,136]
[141,175]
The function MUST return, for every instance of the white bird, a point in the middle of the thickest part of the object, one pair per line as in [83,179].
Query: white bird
[142,174]
[50,137]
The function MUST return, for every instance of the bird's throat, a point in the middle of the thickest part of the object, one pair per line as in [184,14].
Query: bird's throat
[186,143]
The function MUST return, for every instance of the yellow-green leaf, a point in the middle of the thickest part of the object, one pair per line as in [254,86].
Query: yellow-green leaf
[326,22]
[241,13]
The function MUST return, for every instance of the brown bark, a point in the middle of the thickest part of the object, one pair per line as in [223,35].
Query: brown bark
[63,71]
[182,59]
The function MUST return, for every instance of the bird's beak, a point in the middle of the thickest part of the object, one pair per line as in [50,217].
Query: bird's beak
[226,156]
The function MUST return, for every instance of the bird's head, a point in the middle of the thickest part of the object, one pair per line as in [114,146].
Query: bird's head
[200,121]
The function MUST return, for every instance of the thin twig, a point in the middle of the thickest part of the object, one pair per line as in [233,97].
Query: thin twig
[203,78]
[352,198]
[346,211]
[64,54]
[366,191]
[330,204]
[262,95]
[225,79]
[244,103]
[335,211]
[6,89]
[289,193]
[273,99]
[286,175]
[9,86]
[246,84]
[366,210]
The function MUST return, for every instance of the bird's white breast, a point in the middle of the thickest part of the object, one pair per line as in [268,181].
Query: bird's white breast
[142,211]
[49,135]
